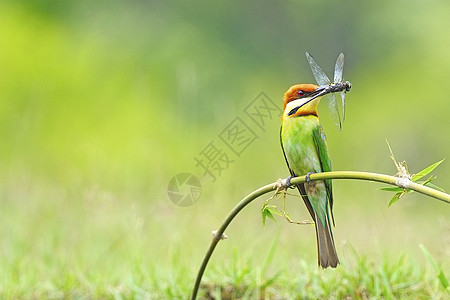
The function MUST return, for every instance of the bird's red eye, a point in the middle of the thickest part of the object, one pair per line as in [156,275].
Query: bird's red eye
[300,93]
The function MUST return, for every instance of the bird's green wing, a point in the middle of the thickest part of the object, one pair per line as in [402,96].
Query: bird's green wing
[325,163]
[300,187]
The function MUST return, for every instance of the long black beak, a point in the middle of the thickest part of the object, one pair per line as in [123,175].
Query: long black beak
[319,92]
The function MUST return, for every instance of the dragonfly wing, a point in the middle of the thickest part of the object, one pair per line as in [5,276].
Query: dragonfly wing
[334,110]
[338,71]
[338,68]
[343,105]
[319,75]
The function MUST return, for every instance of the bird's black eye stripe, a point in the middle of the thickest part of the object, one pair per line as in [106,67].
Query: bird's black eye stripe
[303,94]
[293,111]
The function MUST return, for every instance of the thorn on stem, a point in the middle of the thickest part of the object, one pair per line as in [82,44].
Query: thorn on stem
[215,232]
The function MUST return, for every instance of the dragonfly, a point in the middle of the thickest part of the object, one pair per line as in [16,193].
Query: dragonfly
[332,87]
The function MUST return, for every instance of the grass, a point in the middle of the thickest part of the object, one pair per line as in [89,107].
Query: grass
[365,279]
[358,277]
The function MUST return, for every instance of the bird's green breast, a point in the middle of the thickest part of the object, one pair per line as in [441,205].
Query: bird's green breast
[298,144]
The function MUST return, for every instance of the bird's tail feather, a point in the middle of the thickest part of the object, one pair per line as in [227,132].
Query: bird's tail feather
[325,245]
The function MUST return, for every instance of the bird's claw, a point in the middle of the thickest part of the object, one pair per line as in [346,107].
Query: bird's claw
[288,181]
[284,184]
[307,179]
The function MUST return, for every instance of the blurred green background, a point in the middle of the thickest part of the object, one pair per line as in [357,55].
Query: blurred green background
[101,104]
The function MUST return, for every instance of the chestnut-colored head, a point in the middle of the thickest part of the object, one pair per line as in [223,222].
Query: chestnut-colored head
[302,99]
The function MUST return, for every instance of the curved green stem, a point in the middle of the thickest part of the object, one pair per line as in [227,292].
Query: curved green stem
[400,182]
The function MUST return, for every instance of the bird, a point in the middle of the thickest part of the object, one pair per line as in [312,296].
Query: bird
[305,150]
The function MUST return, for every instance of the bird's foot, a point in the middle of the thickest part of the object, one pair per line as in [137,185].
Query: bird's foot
[284,184]
[288,182]
[307,179]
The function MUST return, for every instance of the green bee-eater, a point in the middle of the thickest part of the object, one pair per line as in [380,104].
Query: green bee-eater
[305,150]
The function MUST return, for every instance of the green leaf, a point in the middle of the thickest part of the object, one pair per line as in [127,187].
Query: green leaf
[424,182]
[391,189]
[442,279]
[426,171]
[266,212]
[433,186]
[396,189]
[440,274]
[274,210]
[395,198]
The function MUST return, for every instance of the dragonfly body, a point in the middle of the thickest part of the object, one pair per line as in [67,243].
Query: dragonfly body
[339,87]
